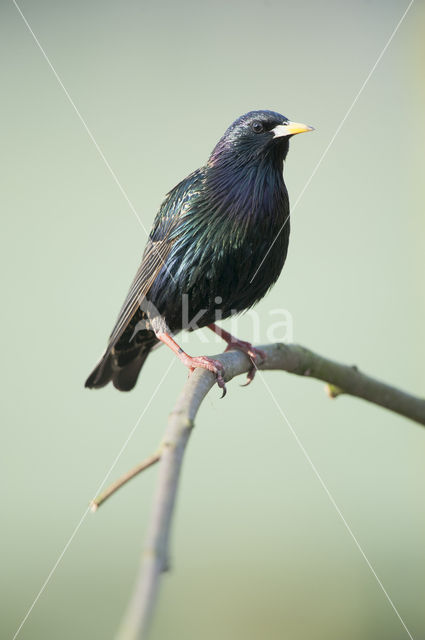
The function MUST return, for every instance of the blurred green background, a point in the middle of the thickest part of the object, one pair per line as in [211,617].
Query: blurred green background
[258,551]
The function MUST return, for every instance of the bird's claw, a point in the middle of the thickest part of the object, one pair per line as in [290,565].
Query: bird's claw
[215,366]
[255,355]
[250,376]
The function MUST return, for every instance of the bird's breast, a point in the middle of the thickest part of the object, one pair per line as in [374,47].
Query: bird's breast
[232,261]
[231,247]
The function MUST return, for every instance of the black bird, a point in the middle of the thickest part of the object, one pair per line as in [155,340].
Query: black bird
[207,242]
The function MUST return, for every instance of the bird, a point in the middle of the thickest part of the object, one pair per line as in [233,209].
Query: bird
[204,256]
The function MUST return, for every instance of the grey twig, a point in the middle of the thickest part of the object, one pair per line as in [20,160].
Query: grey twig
[148,462]
[340,379]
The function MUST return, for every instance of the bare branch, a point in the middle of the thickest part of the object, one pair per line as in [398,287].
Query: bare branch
[340,379]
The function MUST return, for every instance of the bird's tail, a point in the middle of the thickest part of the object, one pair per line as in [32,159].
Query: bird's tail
[122,369]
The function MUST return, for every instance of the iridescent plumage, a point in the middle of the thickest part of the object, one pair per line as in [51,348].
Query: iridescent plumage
[208,239]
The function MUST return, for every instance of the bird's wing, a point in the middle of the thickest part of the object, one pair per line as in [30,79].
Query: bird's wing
[160,242]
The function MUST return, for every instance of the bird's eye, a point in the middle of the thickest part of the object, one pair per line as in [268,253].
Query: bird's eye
[257,126]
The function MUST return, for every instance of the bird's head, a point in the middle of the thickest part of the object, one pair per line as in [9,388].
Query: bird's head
[256,135]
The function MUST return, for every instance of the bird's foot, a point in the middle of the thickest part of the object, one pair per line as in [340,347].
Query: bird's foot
[255,355]
[204,362]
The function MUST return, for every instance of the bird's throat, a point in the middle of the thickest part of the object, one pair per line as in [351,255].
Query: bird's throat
[248,192]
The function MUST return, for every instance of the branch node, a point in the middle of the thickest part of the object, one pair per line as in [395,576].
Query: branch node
[333,391]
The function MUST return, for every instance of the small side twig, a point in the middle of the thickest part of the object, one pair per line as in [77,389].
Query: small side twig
[148,462]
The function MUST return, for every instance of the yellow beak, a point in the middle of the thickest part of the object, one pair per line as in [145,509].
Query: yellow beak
[290,129]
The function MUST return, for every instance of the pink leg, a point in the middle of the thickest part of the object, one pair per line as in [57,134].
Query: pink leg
[234,343]
[192,363]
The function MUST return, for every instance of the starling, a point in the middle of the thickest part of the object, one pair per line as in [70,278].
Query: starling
[204,251]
